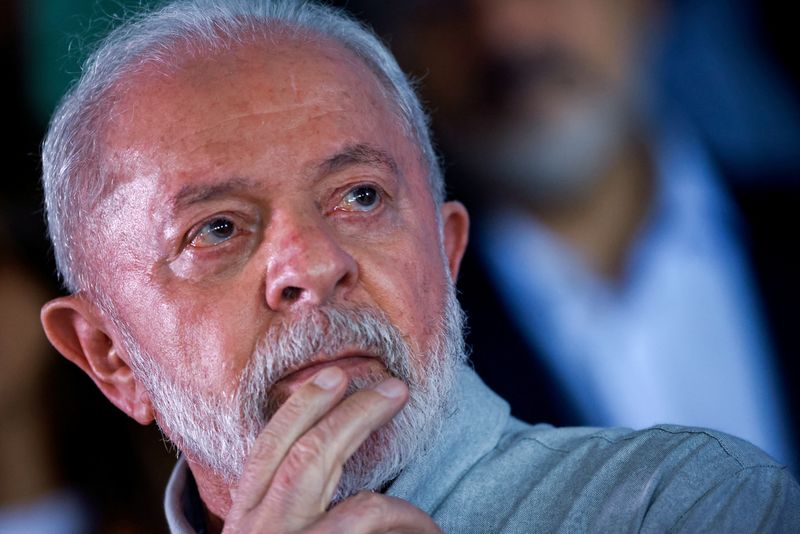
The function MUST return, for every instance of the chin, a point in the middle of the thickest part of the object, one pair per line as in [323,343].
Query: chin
[388,450]
[375,464]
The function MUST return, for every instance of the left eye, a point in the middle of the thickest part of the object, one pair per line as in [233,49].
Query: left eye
[214,232]
[361,198]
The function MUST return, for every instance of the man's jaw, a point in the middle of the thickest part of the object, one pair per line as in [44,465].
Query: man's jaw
[370,357]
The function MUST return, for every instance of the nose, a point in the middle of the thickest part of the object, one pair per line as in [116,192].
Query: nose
[307,264]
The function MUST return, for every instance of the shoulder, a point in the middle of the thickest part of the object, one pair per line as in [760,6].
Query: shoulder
[662,478]
[665,446]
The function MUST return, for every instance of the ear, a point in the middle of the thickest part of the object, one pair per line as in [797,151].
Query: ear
[78,331]
[455,225]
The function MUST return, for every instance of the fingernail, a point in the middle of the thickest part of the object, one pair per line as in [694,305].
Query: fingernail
[391,388]
[329,378]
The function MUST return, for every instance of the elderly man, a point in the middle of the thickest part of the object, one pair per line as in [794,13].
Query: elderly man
[247,211]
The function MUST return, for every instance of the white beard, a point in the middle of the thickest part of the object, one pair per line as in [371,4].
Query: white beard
[218,431]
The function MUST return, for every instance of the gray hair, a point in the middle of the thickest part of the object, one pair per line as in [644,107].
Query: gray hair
[74,174]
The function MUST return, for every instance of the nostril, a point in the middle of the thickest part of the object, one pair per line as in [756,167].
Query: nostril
[290,293]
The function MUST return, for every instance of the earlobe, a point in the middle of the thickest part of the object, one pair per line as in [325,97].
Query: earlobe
[75,329]
[455,225]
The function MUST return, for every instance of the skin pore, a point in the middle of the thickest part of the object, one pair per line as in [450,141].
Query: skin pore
[257,184]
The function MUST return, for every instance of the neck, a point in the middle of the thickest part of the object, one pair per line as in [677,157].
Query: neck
[602,224]
[215,494]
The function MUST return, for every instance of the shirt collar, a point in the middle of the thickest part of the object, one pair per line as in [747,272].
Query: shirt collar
[182,504]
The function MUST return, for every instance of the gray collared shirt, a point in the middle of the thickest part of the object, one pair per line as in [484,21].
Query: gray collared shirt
[489,472]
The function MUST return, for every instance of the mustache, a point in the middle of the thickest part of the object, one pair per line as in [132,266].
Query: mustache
[318,335]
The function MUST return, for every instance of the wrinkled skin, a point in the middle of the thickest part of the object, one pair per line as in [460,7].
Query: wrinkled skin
[240,201]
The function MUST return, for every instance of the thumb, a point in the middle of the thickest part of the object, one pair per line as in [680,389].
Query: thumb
[373,513]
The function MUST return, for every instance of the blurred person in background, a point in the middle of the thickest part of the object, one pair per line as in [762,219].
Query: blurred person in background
[608,263]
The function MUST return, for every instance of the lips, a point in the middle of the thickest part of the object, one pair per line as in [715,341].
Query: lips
[353,364]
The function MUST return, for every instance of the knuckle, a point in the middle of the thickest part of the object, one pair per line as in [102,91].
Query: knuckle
[296,404]
[311,445]
[307,450]
[267,439]
[270,434]
[363,405]
[293,410]
[373,512]
[369,504]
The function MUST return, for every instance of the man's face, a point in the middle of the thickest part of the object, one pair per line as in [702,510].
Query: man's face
[535,93]
[254,188]
[544,55]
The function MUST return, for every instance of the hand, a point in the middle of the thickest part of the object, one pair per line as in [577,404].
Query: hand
[297,460]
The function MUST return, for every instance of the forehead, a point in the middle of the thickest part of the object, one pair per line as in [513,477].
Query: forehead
[277,96]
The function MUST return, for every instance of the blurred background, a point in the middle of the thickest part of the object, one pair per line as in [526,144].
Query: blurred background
[632,170]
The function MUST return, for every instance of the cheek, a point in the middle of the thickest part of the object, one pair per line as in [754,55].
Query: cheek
[220,332]
[408,285]
[203,338]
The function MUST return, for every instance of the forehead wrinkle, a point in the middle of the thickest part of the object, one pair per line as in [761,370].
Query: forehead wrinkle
[194,193]
[265,116]
[366,154]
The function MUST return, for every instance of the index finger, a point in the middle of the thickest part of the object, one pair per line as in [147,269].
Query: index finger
[299,413]
[309,474]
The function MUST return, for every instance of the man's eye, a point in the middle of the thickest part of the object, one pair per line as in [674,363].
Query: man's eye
[361,198]
[214,232]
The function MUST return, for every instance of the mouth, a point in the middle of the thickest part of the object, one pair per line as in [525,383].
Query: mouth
[354,364]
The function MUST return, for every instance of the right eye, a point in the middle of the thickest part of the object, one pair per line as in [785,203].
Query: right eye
[214,232]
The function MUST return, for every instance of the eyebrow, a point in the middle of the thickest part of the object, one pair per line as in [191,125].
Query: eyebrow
[196,193]
[359,154]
